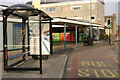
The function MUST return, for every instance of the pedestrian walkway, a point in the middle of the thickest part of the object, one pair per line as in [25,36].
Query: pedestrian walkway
[52,68]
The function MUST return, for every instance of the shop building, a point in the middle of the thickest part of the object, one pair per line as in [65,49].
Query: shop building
[91,11]
[82,10]
[118,19]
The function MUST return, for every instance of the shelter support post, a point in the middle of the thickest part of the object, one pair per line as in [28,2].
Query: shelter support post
[91,36]
[5,31]
[91,32]
[51,38]
[64,35]
[97,34]
[40,45]
[23,36]
[76,27]
[109,36]
[28,35]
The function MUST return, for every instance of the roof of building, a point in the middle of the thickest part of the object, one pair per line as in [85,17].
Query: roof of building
[110,16]
[51,1]
[57,1]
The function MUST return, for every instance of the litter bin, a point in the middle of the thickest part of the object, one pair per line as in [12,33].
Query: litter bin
[85,42]
[88,41]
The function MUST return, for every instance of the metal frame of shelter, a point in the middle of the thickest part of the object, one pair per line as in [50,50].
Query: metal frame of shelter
[24,11]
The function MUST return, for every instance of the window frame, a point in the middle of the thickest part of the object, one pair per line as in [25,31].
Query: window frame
[50,9]
[78,7]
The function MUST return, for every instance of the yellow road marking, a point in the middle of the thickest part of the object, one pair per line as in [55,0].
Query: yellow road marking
[98,63]
[104,73]
[87,63]
[103,64]
[63,55]
[96,73]
[92,63]
[83,73]
[108,76]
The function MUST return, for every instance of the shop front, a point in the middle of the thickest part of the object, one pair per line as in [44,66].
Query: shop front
[68,30]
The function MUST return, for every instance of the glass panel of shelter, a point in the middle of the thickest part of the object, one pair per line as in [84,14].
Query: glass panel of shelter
[34,36]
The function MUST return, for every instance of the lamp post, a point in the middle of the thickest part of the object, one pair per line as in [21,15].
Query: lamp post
[109,37]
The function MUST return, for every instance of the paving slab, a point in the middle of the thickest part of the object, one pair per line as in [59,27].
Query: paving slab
[52,68]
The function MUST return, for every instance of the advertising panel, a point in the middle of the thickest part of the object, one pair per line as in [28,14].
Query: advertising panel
[72,37]
[56,36]
[67,37]
[34,39]
[17,34]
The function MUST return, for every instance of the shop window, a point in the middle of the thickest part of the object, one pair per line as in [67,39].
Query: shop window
[76,17]
[92,18]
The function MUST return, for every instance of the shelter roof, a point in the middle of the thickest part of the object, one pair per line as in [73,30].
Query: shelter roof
[24,11]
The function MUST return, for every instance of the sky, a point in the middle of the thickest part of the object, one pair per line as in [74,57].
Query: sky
[110,5]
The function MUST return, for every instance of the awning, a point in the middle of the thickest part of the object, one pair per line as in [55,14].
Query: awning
[58,26]
[76,22]
[98,28]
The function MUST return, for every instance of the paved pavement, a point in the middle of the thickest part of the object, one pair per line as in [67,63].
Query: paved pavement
[98,61]
[52,68]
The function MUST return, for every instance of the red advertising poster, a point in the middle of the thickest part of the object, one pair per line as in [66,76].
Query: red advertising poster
[62,36]
[72,37]
[68,37]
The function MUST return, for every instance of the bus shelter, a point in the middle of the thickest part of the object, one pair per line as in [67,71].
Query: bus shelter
[25,48]
[70,23]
